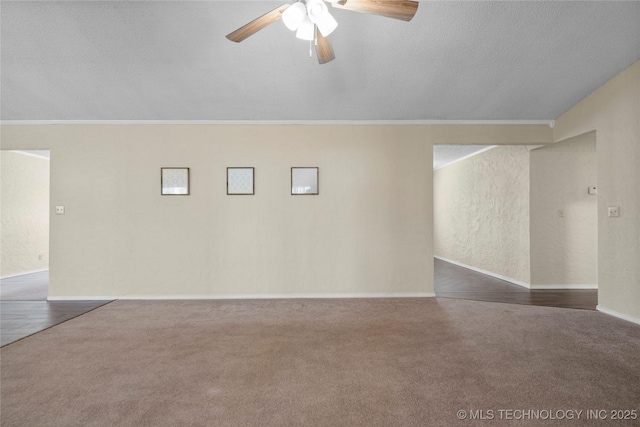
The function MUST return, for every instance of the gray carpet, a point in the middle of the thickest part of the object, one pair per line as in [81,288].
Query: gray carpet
[366,362]
[26,287]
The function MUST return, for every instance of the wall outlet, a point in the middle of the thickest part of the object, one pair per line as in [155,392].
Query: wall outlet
[59,210]
[592,190]
[614,211]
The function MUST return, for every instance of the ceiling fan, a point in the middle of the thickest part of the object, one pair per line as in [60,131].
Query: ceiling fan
[311,20]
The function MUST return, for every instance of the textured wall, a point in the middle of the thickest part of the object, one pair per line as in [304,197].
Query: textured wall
[24,213]
[481,212]
[369,230]
[564,217]
[613,111]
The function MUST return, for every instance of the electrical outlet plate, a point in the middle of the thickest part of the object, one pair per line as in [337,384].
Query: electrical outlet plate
[59,210]
[614,211]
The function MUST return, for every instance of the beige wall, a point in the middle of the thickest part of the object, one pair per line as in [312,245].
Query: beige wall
[481,212]
[24,213]
[613,111]
[369,231]
[564,217]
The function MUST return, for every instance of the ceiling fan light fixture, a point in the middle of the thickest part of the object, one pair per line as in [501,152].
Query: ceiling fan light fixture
[306,29]
[326,24]
[319,14]
[294,15]
[311,20]
[316,8]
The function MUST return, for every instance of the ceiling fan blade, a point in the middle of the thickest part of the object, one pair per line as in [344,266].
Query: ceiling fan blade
[324,51]
[257,24]
[397,9]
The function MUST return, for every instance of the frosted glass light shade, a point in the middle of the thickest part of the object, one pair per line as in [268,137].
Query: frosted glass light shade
[306,30]
[294,15]
[326,24]
[319,15]
[315,9]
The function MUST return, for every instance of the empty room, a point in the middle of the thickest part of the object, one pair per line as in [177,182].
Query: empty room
[319,213]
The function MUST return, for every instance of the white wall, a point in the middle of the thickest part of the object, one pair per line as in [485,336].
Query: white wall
[564,217]
[481,212]
[369,231]
[24,213]
[613,111]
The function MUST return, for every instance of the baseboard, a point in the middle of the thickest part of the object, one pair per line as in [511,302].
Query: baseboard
[618,314]
[488,273]
[23,274]
[249,296]
[569,286]
[82,298]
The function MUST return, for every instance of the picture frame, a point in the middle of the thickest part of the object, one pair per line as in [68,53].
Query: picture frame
[305,181]
[241,181]
[175,181]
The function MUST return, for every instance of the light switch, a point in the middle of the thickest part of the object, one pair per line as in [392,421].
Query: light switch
[59,210]
[614,211]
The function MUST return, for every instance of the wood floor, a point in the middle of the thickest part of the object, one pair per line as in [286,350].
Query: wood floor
[24,309]
[452,281]
[26,287]
[19,319]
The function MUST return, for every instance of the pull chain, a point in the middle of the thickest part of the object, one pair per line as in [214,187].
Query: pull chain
[315,39]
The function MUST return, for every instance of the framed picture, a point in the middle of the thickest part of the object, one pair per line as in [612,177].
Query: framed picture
[240,181]
[304,181]
[174,181]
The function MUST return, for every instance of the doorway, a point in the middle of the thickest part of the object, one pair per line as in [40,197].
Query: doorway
[491,207]
[24,229]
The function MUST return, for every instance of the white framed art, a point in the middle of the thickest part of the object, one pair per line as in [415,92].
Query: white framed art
[174,181]
[304,181]
[241,181]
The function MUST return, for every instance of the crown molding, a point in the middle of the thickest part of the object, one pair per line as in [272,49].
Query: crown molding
[278,122]
[28,153]
[475,153]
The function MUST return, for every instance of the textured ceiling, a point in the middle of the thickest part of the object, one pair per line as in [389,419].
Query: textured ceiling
[169,60]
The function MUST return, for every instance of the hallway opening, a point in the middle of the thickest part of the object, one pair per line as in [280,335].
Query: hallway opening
[24,263]
[517,223]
